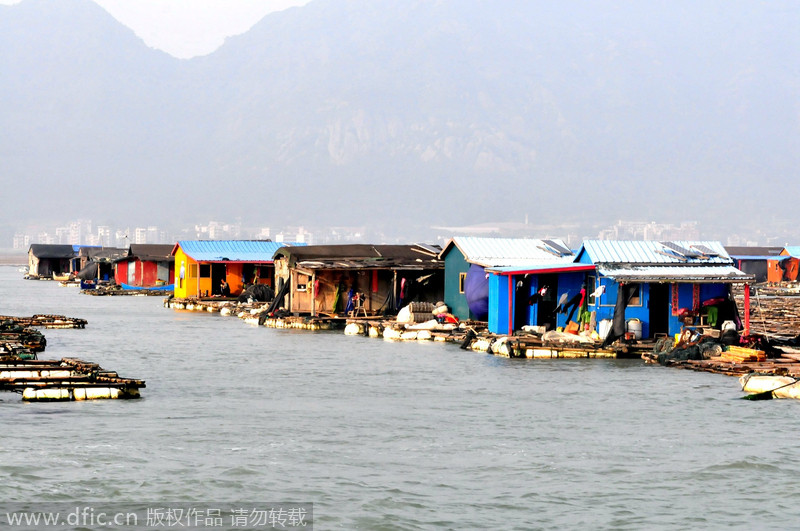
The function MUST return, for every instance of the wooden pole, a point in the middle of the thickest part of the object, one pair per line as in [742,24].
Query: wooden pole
[313,294]
[746,309]
[510,305]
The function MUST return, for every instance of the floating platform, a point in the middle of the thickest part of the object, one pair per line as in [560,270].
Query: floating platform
[47,380]
[17,340]
[46,321]
[788,364]
[65,379]
[100,291]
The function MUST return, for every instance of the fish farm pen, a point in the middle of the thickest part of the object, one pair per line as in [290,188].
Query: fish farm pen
[53,380]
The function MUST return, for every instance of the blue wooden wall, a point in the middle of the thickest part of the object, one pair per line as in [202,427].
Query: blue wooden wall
[570,283]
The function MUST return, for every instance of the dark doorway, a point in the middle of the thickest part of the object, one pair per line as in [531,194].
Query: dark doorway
[218,272]
[546,312]
[248,274]
[522,291]
[658,303]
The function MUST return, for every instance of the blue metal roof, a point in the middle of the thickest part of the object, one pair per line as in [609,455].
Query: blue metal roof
[793,250]
[652,252]
[556,267]
[499,252]
[749,257]
[232,250]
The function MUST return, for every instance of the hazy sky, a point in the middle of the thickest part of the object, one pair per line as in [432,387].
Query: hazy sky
[187,28]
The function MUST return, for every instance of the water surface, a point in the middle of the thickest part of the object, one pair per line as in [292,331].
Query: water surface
[382,435]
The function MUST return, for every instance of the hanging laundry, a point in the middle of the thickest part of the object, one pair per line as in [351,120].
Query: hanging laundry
[561,302]
[537,297]
[598,292]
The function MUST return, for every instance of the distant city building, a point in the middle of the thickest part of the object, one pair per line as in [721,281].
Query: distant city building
[638,230]
[22,241]
[121,238]
[104,235]
[140,235]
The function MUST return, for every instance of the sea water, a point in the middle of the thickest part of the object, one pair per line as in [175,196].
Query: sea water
[387,435]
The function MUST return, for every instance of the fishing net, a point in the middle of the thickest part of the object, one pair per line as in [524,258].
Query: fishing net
[665,351]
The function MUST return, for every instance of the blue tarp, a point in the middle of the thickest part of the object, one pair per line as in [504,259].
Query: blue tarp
[476,291]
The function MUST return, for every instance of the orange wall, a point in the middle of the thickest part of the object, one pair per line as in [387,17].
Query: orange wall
[776,274]
[193,286]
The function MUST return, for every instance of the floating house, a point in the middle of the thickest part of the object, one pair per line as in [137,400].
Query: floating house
[357,279]
[756,260]
[466,259]
[785,267]
[200,265]
[652,288]
[97,263]
[663,285]
[47,261]
[145,266]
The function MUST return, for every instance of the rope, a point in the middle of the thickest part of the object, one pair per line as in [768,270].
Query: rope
[761,313]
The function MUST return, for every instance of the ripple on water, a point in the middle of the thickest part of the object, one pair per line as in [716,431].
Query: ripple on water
[382,435]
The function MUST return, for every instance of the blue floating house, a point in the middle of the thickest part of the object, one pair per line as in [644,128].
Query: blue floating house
[466,260]
[652,287]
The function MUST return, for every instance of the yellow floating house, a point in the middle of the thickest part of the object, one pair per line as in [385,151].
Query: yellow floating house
[201,265]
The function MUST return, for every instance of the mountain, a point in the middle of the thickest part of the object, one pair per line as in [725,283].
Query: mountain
[393,112]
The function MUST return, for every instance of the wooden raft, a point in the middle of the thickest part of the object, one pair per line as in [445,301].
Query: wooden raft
[65,379]
[46,321]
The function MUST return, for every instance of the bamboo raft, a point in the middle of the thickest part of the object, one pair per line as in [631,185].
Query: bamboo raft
[20,341]
[787,364]
[46,321]
[65,379]
[115,291]
[48,380]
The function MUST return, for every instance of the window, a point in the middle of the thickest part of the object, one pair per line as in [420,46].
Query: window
[591,286]
[205,270]
[636,296]
[193,271]
[462,279]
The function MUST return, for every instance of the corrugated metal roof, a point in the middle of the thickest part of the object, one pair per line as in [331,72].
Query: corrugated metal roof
[651,252]
[752,251]
[656,273]
[150,252]
[748,258]
[232,250]
[793,250]
[498,252]
[561,267]
[361,256]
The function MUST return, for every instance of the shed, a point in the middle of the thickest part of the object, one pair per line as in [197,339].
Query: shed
[146,266]
[200,265]
[786,268]
[530,294]
[46,260]
[466,259]
[661,285]
[97,263]
[337,279]
[754,260]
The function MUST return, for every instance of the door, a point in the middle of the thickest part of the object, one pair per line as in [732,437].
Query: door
[546,311]
[658,302]
[521,307]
